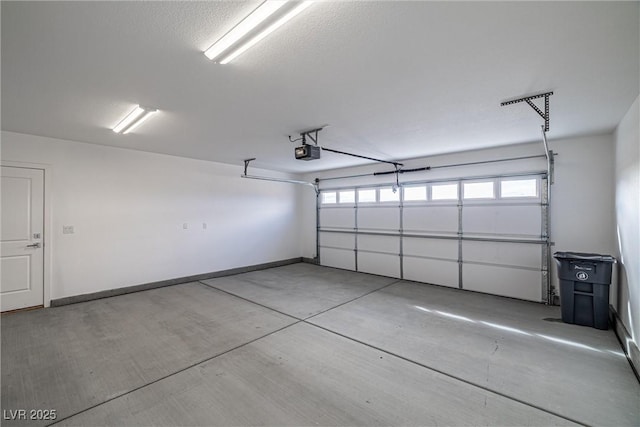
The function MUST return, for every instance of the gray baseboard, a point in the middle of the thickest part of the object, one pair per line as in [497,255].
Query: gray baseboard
[170,282]
[310,260]
[630,348]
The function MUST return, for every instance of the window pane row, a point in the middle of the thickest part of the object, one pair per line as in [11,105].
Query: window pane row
[473,190]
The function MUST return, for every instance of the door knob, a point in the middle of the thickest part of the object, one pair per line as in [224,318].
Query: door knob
[35,245]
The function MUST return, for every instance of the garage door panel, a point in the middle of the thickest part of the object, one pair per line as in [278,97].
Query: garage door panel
[432,248]
[382,264]
[499,239]
[339,258]
[338,240]
[502,220]
[437,272]
[506,281]
[390,244]
[435,219]
[514,254]
[379,218]
[337,218]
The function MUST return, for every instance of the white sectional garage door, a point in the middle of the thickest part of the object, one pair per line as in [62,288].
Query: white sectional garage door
[487,235]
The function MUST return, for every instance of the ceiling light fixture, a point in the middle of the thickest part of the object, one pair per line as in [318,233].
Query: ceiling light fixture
[134,119]
[254,19]
[271,28]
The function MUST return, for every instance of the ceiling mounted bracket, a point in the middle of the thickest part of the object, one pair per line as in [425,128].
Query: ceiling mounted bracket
[311,134]
[246,164]
[528,99]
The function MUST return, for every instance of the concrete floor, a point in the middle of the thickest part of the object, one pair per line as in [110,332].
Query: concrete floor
[308,345]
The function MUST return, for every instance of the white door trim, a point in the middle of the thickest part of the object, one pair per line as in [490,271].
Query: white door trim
[47,242]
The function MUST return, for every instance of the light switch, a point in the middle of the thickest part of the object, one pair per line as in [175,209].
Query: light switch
[204,225]
[67,229]
[185,226]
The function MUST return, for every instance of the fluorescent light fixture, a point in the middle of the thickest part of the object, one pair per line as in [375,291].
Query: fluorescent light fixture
[134,119]
[254,19]
[293,12]
[144,117]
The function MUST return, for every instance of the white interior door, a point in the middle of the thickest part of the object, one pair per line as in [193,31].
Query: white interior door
[22,263]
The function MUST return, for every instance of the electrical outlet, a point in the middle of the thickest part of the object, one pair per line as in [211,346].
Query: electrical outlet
[67,229]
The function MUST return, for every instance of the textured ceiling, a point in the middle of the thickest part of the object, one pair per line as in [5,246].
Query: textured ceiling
[394,80]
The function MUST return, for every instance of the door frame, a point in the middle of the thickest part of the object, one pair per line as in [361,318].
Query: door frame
[47,231]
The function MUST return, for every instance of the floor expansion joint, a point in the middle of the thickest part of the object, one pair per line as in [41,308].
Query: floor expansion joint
[172,374]
[453,377]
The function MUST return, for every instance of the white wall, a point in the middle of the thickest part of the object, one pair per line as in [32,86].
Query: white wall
[128,209]
[627,196]
[582,198]
[582,201]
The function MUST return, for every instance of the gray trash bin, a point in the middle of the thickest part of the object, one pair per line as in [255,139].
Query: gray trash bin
[584,288]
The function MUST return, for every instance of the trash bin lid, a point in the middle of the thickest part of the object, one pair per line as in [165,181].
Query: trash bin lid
[584,256]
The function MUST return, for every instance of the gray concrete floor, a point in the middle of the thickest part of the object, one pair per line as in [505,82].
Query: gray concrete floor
[308,345]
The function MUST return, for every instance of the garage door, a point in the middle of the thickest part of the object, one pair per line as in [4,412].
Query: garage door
[483,234]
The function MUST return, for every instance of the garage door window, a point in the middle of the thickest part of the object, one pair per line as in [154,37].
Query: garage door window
[444,192]
[347,196]
[388,195]
[519,188]
[328,197]
[478,190]
[415,194]
[367,195]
